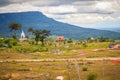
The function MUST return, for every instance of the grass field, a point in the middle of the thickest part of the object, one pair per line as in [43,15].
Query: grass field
[103,70]
[28,51]
[49,70]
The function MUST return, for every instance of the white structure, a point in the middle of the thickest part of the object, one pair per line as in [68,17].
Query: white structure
[22,36]
[59,77]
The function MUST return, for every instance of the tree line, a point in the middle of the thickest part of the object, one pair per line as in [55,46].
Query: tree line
[40,35]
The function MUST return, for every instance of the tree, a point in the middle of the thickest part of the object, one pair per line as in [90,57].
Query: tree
[13,26]
[44,35]
[89,39]
[30,30]
[40,35]
[70,40]
[103,39]
[37,35]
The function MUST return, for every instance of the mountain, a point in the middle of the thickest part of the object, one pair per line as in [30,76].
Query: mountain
[116,29]
[39,21]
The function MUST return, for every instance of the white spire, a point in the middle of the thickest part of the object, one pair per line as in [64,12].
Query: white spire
[22,37]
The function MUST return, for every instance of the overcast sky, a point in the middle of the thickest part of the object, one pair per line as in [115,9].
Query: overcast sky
[84,13]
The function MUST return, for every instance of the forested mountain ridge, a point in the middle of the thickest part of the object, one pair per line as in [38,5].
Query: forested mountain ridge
[38,20]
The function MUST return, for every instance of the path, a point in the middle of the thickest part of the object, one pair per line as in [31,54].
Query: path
[49,60]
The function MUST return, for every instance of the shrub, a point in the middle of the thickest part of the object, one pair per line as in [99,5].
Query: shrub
[9,46]
[23,69]
[92,76]
[32,42]
[84,69]
[24,49]
[14,43]
[8,43]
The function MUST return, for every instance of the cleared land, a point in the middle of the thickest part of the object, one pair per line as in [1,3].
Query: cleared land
[74,62]
[45,70]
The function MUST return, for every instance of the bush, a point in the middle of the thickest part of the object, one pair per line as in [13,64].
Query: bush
[14,43]
[84,69]
[24,49]
[32,42]
[8,43]
[69,41]
[9,46]
[92,76]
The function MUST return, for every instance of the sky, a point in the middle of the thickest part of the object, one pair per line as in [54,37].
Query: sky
[83,13]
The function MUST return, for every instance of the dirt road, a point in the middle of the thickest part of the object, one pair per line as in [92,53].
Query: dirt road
[50,60]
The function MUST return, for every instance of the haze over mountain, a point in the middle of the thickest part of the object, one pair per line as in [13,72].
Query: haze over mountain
[116,29]
[38,20]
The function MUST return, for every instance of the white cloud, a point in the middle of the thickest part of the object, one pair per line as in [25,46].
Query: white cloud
[18,8]
[86,13]
[59,9]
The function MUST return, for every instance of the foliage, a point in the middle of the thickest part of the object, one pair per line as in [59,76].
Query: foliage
[8,42]
[25,49]
[32,42]
[30,29]
[84,69]
[40,35]
[69,40]
[104,39]
[92,76]
[13,26]
[52,38]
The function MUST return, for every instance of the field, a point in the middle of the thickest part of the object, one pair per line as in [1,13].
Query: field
[103,70]
[49,67]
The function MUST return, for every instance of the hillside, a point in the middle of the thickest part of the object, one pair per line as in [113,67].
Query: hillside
[116,29]
[39,21]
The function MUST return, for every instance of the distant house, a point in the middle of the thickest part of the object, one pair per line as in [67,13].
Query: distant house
[92,39]
[22,36]
[60,38]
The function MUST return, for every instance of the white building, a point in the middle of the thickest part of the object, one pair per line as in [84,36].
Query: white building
[22,36]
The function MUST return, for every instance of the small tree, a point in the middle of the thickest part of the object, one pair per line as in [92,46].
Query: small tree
[14,27]
[70,40]
[40,35]
[44,35]
[37,35]
[30,30]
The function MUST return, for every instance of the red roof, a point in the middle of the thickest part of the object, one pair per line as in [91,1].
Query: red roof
[60,38]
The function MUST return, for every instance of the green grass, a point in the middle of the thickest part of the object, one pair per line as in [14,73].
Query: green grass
[25,50]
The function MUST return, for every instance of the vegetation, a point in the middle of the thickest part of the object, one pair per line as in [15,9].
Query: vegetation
[49,68]
[84,69]
[92,76]
[40,35]
[40,21]
[69,40]
[13,26]
[8,43]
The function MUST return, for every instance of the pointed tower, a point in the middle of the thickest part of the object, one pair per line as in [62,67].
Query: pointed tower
[22,36]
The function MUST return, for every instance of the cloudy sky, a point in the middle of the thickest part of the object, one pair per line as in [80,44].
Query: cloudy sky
[84,13]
